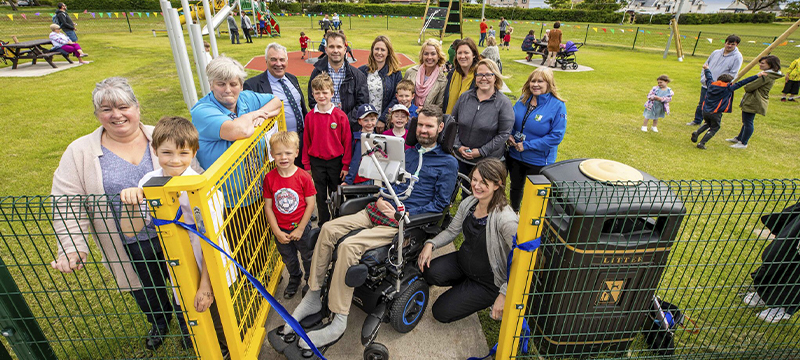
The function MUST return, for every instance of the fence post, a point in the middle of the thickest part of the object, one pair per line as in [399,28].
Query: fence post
[311,21]
[531,219]
[387,22]
[696,41]
[129,22]
[17,323]
[350,19]
[183,268]
[586,37]
[636,36]
[541,29]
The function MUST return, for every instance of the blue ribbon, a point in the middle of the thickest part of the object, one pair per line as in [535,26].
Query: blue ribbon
[526,330]
[298,329]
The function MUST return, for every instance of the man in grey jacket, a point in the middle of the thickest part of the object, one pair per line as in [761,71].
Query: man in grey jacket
[727,60]
[234,30]
[65,22]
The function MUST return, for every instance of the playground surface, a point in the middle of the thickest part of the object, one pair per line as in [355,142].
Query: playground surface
[304,67]
[429,340]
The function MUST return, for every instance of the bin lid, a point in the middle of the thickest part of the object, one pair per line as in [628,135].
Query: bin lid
[611,171]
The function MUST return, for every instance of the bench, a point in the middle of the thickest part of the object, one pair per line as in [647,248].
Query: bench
[32,50]
[158,31]
[539,49]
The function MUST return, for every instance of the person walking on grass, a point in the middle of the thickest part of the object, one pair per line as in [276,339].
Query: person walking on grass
[484,28]
[233,29]
[503,25]
[792,85]
[718,100]
[727,60]
[756,99]
[246,27]
[657,104]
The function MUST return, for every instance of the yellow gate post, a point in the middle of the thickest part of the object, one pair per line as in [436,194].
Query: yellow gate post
[531,217]
[183,268]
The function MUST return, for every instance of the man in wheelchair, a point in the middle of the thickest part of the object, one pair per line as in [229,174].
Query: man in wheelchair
[430,194]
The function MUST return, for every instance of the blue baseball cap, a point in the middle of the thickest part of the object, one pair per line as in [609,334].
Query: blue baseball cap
[366,109]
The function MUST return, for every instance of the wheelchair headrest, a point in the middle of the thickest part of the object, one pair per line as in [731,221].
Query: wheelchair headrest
[446,138]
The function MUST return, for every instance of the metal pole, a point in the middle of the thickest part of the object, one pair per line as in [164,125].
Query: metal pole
[483,9]
[672,29]
[129,22]
[696,41]
[387,22]
[350,20]
[540,30]
[586,37]
[212,38]
[636,36]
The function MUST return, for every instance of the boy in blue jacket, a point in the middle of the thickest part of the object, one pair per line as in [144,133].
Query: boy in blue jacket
[368,118]
[718,100]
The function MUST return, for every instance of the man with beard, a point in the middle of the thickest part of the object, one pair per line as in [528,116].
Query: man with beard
[431,194]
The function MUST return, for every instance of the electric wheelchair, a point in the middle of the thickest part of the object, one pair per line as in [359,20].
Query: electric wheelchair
[388,284]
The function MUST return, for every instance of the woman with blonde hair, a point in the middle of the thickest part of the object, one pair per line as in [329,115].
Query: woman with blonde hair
[429,76]
[540,120]
[383,73]
[492,52]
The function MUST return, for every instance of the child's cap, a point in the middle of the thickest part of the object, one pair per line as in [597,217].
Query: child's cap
[400,107]
[366,109]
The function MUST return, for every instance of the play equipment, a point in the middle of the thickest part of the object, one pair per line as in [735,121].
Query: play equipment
[446,17]
[260,11]
[221,8]
[197,11]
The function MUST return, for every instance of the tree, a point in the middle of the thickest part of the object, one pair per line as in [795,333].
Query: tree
[608,5]
[792,8]
[558,4]
[758,5]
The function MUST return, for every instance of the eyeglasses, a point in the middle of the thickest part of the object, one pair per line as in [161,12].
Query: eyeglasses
[485,76]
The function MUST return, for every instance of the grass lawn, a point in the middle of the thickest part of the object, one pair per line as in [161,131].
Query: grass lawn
[41,116]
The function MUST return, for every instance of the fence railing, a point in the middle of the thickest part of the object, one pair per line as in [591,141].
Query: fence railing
[34,25]
[47,314]
[703,247]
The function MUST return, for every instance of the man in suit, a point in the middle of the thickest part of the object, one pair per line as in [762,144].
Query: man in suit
[349,84]
[284,86]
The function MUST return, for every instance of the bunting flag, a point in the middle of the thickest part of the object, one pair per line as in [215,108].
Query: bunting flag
[695,37]
[642,31]
[768,44]
[23,16]
[156,14]
[648,31]
[683,36]
[140,14]
[631,30]
[93,16]
[612,31]
[595,29]
[101,15]
[37,14]
[781,44]
[10,16]
[131,13]
[752,42]
[148,14]
[622,30]
[76,15]
[577,27]
[109,15]
[51,14]
[115,14]
[85,11]
[604,30]
[660,33]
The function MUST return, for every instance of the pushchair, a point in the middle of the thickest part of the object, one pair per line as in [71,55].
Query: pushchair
[566,57]
[388,284]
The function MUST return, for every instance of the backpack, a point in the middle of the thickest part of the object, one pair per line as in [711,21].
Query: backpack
[55,20]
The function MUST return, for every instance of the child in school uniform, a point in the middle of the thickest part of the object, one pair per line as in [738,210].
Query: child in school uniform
[303,44]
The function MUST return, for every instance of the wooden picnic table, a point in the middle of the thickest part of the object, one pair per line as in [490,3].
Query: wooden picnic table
[33,50]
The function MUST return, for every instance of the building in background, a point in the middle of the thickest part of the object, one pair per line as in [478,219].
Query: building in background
[665,6]
[738,7]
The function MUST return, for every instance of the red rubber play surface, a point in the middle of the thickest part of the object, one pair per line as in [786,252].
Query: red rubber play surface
[299,67]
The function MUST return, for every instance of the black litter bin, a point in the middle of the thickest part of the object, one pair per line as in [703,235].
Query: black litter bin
[606,239]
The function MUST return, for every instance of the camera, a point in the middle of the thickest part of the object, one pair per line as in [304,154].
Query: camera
[519,137]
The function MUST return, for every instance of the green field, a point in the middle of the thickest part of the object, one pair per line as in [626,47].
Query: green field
[41,116]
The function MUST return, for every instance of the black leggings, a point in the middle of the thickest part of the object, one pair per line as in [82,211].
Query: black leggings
[464,298]
[154,298]
[518,171]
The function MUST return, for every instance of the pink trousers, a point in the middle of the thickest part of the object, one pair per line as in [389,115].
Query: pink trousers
[72,48]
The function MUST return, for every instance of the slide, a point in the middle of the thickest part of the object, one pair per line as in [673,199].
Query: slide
[271,26]
[196,10]
[218,19]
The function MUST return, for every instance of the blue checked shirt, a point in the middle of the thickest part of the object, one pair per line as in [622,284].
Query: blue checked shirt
[337,77]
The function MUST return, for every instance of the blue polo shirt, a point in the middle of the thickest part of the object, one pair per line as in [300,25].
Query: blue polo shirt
[208,115]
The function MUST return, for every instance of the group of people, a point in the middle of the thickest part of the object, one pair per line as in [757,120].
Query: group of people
[716,94]
[62,34]
[318,152]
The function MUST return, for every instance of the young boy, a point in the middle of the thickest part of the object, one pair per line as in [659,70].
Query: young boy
[719,99]
[303,44]
[175,141]
[327,144]
[398,125]
[404,94]
[288,202]
[507,38]
[367,117]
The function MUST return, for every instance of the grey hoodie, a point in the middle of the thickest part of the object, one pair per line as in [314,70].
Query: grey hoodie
[484,124]
[719,64]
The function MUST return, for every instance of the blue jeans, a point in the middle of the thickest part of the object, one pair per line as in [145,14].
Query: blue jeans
[698,113]
[71,35]
[747,127]
[483,38]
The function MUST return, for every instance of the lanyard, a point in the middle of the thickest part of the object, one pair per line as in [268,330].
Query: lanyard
[528,111]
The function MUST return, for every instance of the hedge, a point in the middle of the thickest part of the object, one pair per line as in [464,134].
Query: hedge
[719,18]
[151,5]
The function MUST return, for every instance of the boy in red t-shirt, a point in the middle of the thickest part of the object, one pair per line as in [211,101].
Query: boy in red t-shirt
[288,202]
[327,143]
[303,44]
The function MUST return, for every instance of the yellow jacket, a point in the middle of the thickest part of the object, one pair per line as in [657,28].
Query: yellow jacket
[794,70]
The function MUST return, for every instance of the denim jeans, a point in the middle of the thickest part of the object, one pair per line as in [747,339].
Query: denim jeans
[483,38]
[71,35]
[747,127]
[698,113]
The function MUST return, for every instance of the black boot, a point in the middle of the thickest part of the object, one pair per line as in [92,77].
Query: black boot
[708,136]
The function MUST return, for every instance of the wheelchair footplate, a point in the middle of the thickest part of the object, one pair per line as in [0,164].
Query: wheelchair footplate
[288,346]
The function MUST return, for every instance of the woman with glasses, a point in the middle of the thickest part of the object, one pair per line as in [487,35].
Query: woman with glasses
[485,117]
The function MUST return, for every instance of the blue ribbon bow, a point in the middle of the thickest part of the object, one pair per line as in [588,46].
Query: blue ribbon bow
[298,329]
[526,330]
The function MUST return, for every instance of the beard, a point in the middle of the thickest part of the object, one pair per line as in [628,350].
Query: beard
[426,141]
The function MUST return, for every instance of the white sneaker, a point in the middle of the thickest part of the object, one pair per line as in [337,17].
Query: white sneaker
[774,315]
[692,123]
[753,300]
[655,129]
[732,140]
[739,146]
[644,128]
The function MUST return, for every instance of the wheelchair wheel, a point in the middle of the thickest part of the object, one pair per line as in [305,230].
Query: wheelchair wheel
[408,308]
[376,351]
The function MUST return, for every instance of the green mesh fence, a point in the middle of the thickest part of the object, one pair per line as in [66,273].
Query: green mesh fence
[47,314]
[702,248]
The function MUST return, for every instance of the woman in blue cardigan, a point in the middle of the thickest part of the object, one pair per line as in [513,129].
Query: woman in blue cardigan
[383,73]
[540,119]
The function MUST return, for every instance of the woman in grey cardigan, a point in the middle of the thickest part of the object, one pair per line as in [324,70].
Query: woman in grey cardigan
[477,271]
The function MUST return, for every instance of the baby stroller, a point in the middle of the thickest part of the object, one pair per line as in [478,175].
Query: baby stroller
[566,57]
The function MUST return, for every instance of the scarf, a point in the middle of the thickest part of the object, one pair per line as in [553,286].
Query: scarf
[458,86]
[424,87]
